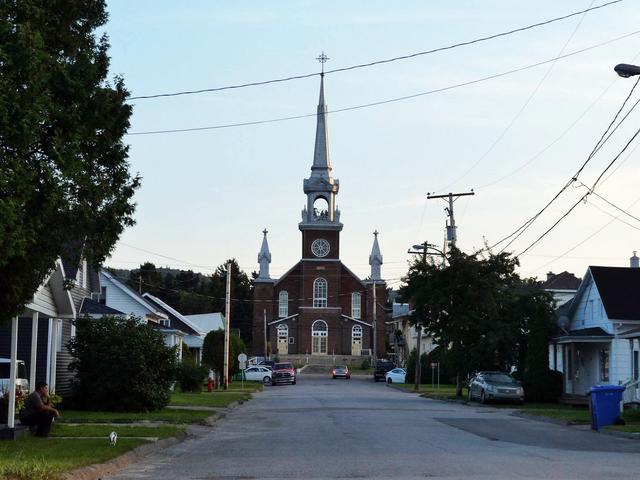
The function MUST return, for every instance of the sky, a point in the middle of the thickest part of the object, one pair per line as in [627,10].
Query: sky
[516,139]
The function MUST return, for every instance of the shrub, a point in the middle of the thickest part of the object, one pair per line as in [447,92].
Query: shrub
[191,377]
[121,365]
[544,387]
[366,364]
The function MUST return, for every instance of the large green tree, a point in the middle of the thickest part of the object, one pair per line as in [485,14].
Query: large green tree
[64,176]
[479,309]
[213,352]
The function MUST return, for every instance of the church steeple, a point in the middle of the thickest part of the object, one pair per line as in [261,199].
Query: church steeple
[321,188]
[375,259]
[264,259]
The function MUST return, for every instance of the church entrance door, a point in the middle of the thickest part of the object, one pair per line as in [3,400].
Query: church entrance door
[283,339]
[319,336]
[356,340]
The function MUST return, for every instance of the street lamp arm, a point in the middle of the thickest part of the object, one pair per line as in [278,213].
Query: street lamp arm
[626,70]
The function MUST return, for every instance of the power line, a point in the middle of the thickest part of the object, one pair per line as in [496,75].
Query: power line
[589,237]
[377,62]
[581,198]
[515,118]
[620,209]
[384,102]
[601,141]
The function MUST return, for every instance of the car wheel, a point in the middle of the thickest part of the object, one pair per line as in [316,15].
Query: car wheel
[293,383]
[482,397]
[389,381]
[349,377]
[266,380]
[334,377]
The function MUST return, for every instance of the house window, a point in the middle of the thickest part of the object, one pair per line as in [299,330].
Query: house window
[604,365]
[165,322]
[283,310]
[356,299]
[58,335]
[103,295]
[319,293]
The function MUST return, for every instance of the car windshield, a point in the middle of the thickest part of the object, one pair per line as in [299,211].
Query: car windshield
[499,378]
[341,368]
[283,366]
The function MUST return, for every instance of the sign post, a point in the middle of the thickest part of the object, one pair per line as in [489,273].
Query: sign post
[433,379]
[242,361]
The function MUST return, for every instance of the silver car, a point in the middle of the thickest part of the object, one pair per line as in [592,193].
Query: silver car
[496,387]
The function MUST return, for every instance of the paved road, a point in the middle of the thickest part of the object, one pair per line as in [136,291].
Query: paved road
[323,428]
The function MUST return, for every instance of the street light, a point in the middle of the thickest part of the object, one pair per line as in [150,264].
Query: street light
[625,70]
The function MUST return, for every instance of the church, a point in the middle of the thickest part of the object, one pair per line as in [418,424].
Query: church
[319,306]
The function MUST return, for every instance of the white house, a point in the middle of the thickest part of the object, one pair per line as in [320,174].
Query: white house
[408,338]
[115,294]
[599,341]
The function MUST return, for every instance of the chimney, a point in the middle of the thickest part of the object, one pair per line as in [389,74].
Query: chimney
[550,275]
[634,262]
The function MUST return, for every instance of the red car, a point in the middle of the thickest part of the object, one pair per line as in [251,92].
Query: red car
[341,371]
[283,373]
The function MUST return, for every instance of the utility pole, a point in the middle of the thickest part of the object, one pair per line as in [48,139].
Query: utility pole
[452,235]
[375,317]
[422,249]
[266,350]
[227,333]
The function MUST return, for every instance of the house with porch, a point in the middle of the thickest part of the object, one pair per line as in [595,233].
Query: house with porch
[599,339]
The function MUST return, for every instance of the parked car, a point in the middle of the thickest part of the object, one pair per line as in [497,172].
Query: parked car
[255,360]
[22,379]
[495,386]
[267,363]
[258,374]
[283,373]
[397,375]
[341,371]
[381,367]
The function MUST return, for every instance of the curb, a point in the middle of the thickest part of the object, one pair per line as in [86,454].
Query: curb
[97,471]
[113,466]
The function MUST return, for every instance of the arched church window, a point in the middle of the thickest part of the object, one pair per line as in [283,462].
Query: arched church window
[283,304]
[283,331]
[356,300]
[320,293]
[356,332]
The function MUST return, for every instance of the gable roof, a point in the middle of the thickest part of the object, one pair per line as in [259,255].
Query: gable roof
[207,322]
[134,295]
[91,307]
[561,281]
[619,289]
[179,320]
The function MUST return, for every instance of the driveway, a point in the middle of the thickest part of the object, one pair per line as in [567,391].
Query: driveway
[324,428]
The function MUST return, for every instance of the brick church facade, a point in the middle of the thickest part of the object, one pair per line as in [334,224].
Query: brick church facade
[319,307]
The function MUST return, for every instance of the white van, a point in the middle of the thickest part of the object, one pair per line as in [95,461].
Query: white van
[22,380]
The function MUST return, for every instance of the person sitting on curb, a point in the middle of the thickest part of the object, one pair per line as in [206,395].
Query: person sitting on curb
[37,412]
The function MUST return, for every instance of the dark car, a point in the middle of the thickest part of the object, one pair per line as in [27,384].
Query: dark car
[380,368]
[495,386]
[341,371]
[283,373]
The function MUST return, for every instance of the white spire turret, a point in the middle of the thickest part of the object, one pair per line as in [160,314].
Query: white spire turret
[264,258]
[375,259]
[321,188]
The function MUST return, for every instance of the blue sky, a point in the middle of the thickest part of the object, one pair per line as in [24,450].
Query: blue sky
[206,196]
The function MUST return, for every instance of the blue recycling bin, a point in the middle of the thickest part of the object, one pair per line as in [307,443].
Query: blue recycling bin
[605,404]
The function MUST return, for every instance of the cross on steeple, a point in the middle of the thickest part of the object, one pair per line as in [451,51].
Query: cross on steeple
[322,58]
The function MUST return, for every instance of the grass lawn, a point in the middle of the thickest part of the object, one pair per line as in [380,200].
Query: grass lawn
[426,390]
[43,458]
[164,415]
[248,387]
[88,430]
[208,399]
[559,412]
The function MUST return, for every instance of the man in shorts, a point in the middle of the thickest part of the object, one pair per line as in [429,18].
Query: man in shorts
[37,412]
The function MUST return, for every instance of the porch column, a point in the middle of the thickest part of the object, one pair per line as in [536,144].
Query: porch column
[34,351]
[54,355]
[574,368]
[12,374]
